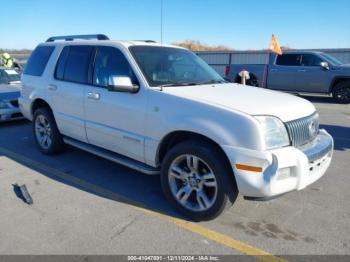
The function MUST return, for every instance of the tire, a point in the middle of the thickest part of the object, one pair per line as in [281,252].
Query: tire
[220,192]
[341,92]
[44,124]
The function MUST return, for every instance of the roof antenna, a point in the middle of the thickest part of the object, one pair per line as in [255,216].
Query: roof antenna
[161,31]
[161,22]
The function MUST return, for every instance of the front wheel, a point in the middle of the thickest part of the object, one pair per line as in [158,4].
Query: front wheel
[341,92]
[197,181]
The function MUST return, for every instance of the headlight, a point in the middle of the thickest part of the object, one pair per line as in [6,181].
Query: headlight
[3,105]
[275,132]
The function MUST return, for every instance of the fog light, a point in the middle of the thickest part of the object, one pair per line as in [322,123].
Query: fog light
[283,173]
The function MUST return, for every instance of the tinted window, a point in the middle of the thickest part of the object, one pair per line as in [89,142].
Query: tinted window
[173,66]
[59,73]
[310,60]
[77,64]
[38,60]
[111,62]
[289,60]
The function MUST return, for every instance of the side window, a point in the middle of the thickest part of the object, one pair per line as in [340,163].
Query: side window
[38,60]
[75,67]
[59,73]
[111,62]
[289,60]
[310,60]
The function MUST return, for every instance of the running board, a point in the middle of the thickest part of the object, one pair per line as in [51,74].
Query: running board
[114,157]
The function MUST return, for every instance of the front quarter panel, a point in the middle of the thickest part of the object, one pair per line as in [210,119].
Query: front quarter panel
[169,113]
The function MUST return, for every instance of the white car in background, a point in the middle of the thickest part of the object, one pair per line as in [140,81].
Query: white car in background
[9,109]
[161,109]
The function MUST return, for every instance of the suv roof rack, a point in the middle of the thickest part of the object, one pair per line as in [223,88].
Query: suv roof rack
[147,41]
[72,37]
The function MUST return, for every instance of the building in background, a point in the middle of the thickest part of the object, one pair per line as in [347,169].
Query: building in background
[220,59]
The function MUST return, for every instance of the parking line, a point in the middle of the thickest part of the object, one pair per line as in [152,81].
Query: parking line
[189,226]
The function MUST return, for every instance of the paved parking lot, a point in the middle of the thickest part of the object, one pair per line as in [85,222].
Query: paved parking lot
[87,205]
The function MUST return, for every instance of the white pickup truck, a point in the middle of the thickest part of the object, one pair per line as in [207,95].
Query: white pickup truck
[161,109]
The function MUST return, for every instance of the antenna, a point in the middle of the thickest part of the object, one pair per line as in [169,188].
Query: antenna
[161,31]
[161,22]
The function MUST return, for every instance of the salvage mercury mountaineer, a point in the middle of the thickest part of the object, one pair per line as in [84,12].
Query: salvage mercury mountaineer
[161,109]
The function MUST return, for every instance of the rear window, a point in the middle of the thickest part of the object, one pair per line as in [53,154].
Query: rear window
[38,60]
[288,60]
[73,64]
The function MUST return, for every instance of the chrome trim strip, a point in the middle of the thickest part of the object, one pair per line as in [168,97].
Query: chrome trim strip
[299,131]
[114,157]
[322,145]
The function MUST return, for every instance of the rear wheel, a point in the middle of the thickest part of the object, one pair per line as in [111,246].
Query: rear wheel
[46,134]
[341,92]
[197,181]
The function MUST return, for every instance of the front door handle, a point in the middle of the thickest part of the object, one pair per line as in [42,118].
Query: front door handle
[273,70]
[93,96]
[52,87]
[302,70]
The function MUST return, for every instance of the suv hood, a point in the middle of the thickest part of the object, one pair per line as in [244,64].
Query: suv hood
[247,99]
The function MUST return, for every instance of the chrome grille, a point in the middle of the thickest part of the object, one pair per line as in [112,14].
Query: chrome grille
[304,130]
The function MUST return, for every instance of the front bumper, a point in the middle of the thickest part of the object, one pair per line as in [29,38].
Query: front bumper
[10,114]
[283,170]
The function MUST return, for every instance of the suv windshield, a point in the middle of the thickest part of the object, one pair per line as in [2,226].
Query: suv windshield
[331,59]
[14,78]
[166,66]
[9,75]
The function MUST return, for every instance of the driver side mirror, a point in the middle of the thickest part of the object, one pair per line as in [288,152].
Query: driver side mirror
[324,65]
[121,84]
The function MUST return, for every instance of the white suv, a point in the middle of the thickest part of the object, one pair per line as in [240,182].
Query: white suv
[161,109]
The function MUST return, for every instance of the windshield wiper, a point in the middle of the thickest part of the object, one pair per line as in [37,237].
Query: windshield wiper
[214,82]
[194,83]
[181,84]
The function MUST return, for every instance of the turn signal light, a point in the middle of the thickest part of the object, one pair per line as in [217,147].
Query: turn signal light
[249,168]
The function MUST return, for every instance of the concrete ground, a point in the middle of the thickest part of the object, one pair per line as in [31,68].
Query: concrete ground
[87,205]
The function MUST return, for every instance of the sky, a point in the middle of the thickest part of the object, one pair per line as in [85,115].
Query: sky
[239,24]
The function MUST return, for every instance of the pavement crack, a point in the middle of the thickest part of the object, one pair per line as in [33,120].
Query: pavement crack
[124,228]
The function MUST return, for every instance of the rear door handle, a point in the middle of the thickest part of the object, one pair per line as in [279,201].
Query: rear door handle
[273,70]
[302,70]
[53,87]
[93,96]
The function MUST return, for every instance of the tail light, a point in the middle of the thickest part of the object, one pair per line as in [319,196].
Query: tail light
[227,70]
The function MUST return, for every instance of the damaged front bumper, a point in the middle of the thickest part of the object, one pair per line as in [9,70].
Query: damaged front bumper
[282,170]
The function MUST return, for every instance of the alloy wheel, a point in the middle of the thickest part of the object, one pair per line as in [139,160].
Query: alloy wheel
[192,183]
[43,131]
